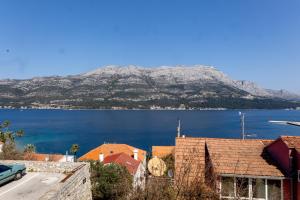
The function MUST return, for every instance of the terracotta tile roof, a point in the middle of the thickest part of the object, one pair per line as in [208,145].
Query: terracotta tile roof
[109,149]
[190,157]
[124,160]
[162,151]
[291,141]
[228,156]
[43,157]
[242,157]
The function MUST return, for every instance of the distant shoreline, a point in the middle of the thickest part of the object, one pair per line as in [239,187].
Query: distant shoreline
[139,109]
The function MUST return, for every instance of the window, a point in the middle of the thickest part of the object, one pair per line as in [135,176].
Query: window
[227,187]
[242,187]
[259,188]
[3,168]
[274,189]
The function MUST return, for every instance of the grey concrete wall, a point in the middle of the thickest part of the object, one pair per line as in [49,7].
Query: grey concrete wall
[75,186]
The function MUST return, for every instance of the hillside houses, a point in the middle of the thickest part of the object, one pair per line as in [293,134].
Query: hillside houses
[132,158]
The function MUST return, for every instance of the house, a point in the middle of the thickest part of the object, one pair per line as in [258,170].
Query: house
[110,149]
[162,151]
[49,157]
[132,158]
[285,151]
[134,167]
[247,169]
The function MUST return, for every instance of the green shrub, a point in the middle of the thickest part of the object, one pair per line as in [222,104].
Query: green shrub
[110,181]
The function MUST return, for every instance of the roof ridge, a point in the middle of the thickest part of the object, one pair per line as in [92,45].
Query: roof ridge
[213,138]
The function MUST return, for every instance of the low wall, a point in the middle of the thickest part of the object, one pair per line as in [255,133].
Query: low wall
[43,166]
[75,186]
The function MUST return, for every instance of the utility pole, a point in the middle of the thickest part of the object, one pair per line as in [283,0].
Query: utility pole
[242,115]
[178,128]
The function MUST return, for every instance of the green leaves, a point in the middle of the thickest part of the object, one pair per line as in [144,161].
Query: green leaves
[7,136]
[111,181]
[74,148]
[19,133]
[29,148]
[5,124]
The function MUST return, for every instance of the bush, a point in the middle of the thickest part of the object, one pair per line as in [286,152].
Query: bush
[7,137]
[110,181]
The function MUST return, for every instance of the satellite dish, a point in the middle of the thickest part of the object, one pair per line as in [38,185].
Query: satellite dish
[157,166]
[170,173]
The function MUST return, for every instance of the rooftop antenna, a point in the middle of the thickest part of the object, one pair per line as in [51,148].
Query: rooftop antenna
[243,134]
[242,115]
[178,128]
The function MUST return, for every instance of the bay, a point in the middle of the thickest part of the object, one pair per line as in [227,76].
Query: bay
[54,131]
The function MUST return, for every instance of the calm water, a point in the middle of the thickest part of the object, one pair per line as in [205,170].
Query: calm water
[53,131]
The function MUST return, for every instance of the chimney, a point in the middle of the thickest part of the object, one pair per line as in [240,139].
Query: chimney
[101,157]
[135,154]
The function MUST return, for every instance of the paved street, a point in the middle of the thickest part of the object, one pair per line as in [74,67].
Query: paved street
[32,186]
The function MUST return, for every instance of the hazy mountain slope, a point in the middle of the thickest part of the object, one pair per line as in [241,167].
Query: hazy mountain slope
[138,87]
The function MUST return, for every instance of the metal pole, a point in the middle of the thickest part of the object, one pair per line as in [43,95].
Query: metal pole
[178,128]
[243,125]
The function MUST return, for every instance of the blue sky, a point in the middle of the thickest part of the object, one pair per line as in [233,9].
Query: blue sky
[256,40]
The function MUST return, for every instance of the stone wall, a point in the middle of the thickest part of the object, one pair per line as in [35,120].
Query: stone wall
[75,186]
[43,166]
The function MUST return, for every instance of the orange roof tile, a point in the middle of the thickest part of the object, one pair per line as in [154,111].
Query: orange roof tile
[189,157]
[109,149]
[43,157]
[162,151]
[125,160]
[227,156]
[291,141]
[242,157]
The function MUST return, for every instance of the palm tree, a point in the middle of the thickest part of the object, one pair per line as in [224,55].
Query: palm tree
[29,148]
[29,151]
[74,149]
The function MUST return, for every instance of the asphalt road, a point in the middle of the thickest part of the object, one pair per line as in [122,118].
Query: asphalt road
[32,186]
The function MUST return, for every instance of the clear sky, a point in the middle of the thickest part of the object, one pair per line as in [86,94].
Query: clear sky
[256,40]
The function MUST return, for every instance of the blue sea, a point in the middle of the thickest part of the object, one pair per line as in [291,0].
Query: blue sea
[54,131]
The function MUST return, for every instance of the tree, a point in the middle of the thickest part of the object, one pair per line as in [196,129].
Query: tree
[74,149]
[110,181]
[29,151]
[29,148]
[8,137]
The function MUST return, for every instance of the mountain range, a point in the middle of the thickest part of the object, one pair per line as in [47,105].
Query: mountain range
[130,87]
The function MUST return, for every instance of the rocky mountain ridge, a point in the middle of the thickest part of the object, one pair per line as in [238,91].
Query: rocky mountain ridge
[138,87]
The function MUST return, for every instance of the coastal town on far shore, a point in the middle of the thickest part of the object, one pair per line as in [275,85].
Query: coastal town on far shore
[153,107]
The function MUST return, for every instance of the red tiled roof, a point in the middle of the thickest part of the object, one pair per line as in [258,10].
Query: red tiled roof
[190,157]
[110,149]
[162,151]
[124,160]
[227,156]
[242,157]
[43,157]
[291,141]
